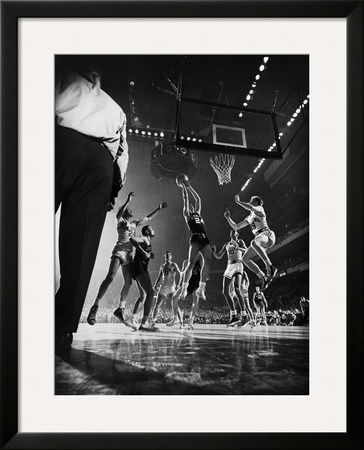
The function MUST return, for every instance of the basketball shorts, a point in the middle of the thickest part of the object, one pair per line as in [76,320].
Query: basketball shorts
[137,268]
[124,252]
[270,235]
[199,238]
[192,287]
[233,269]
[167,290]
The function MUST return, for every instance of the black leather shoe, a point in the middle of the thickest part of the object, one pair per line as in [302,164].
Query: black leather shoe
[64,340]
[119,313]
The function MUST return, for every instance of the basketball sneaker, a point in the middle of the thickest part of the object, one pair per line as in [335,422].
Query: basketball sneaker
[200,291]
[171,322]
[119,313]
[271,273]
[243,321]
[148,327]
[234,320]
[91,318]
[132,323]
[183,293]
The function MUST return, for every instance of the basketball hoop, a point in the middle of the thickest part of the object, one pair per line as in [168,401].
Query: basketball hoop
[222,165]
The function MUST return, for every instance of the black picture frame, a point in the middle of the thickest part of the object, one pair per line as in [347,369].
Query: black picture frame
[10,438]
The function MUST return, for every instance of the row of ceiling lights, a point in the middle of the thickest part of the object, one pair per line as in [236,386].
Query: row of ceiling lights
[249,97]
[138,132]
[289,123]
[188,138]
[251,93]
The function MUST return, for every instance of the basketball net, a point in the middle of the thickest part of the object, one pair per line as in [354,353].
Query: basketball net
[222,165]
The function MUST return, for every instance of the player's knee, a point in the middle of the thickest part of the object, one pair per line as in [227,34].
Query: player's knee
[246,257]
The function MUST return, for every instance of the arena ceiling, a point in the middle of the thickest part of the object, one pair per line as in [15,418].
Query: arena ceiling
[152,90]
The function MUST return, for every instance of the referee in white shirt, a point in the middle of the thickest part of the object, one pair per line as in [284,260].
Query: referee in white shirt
[91,158]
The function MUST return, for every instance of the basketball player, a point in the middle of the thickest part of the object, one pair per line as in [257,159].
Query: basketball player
[199,242]
[244,320]
[260,304]
[139,272]
[192,289]
[264,238]
[121,256]
[232,278]
[166,282]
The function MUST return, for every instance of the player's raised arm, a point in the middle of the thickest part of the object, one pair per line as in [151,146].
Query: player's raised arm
[150,216]
[186,204]
[221,252]
[122,208]
[235,226]
[197,199]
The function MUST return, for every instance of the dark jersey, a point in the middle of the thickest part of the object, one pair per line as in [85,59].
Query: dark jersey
[140,262]
[196,223]
[196,274]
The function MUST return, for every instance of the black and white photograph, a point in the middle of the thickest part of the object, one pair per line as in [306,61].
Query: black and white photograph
[182,200]
[181,224]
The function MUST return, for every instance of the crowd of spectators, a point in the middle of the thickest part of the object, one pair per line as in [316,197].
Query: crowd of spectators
[283,306]
[293,262]
[291,230]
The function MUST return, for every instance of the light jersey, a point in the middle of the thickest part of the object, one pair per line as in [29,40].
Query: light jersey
[235,250]
[257,219]
[126,230]
[168,274]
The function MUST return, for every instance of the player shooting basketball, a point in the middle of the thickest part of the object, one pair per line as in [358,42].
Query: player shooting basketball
[199,241]
[264,238]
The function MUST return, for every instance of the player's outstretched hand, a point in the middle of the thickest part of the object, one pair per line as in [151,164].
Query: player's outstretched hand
[237,198]
[163,205]
[226,214]
[213,248]
[130,195]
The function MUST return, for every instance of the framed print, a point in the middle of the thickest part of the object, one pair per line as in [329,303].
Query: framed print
[229,106]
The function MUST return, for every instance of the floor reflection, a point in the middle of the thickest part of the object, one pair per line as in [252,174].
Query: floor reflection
[111,359]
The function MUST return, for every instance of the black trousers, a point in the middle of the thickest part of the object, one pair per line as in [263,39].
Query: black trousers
[83,180]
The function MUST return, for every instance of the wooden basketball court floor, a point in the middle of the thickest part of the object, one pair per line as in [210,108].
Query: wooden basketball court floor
[112,359]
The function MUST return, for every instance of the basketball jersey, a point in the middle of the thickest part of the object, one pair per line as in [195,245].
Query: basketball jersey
[234,250]
[196,223]
[257,220]
[126,230]
[169,272]
[258,298]
[195,276]
[139,256]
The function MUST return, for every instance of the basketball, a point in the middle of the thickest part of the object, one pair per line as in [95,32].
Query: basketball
[182,179]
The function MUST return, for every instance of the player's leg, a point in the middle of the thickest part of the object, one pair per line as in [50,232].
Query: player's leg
[160,300]
[264,316]
[146,283]
[194,309]
[206,253]
[192,253]
[261,243]
[175,307]
[226,290]
[113,268]
[139,302]
[119,312]
[247,259]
